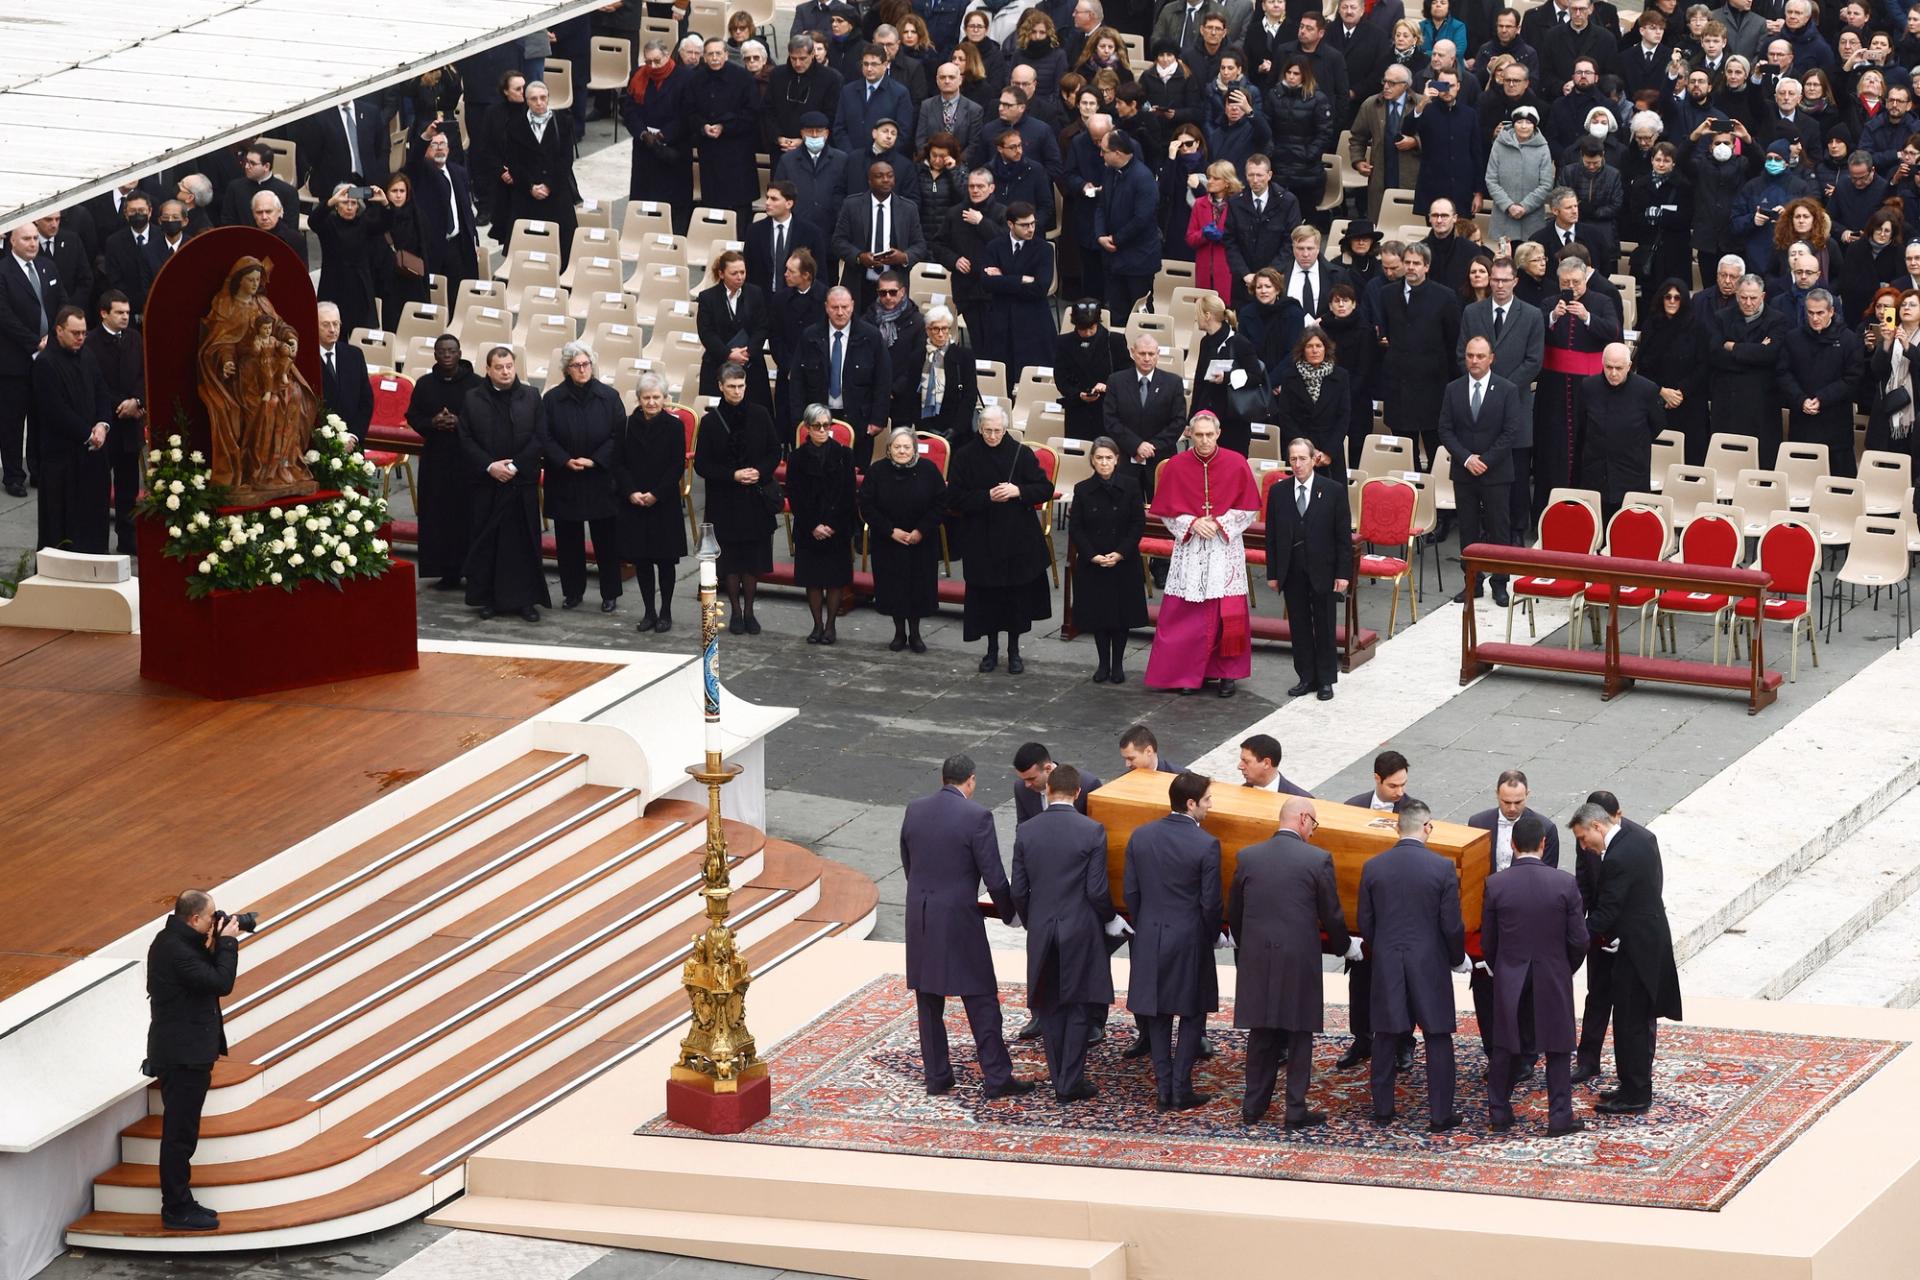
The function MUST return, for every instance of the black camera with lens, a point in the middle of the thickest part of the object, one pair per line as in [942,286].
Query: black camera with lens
[247,920]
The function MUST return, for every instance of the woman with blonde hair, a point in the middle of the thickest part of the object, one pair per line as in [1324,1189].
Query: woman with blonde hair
[1207,229]
[1038,45]
[1227,372]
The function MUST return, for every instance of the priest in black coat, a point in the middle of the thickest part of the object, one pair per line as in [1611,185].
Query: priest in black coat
[72,414]
[1060,890]
[1284,898]
[1621,413]
[434,411]
[1172,889]
[503,436]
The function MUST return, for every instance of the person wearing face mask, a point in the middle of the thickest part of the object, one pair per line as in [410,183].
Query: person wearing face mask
[818,171]
[1761,202]
[439,398]
[132,255]
[662,167]
[1717,170]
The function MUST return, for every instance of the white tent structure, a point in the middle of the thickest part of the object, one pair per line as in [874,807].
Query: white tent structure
[94,93]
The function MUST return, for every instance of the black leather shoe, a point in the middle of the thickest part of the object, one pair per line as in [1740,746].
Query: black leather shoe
[1250,1119]
[1138,1049]
[753,625]
[1011,1089]
[1225,690]
[1583,1074]
[989,662]
[1609,1095]
[1578,1126]
[1015,664]
[1301,690]
[18,490]
[1523,1076]
[1499,1126]
[1441,1126]
[916,644]
[569,602]
[648,622]
[737,625]
[1100,674]
[444,584]
[1080,1092]
[829,636]
[1206,1048]
[530,614]
[192,1218]
[1117,676]
[665,624]
[1382,1121]
[1461,597]
[1162,1105]
[1325,694]
[1501,598]
[486,611]
[608,606]
[897,644]
[1096,1035]
[813,636]
[1353,1057]
[1031,1031]
[1310,1120]
[935,1090]
[1192,1101]
[1618,1108]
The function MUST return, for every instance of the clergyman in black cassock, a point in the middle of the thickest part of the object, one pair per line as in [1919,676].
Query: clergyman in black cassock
[1632,916]
[1410,917]
[948,849]
[434,411]
[1060,890]
[73,411]
[1533,934]
[1172,889]
[1284,898]
[504,424]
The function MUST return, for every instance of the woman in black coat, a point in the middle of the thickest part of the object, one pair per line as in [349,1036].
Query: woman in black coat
[736,452]
[662,168]
[1315,399]
[439,398]
[732,319]
[1303,130]
[1083,361]
[489,167]
[1672,353]
[352,241]
[1356,348]
[995,483]
[536,147]
[722,105]
[903,501]
[1213,392]
[584,416]
[1877,255]
[825,511]
[407,235]
[1271,322]
[649,458]
[1109,591]
[958,382]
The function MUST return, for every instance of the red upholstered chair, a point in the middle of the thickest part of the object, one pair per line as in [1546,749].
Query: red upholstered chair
[1049,467]
[1790,551]
[936,450]
[1709,539]
[1153,548]
[1634,533]
[692,425]
[1566,525]
[392,393]
[1387,520]
[389,438]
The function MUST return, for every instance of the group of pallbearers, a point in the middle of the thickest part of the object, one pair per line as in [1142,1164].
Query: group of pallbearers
[1282,914]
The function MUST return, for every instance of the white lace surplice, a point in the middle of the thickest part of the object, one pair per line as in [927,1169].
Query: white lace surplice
[1209,568]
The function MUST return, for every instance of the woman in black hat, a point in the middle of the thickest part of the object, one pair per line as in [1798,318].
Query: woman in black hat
[1360,253]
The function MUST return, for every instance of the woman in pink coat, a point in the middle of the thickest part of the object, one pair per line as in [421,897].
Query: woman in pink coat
[1207,230]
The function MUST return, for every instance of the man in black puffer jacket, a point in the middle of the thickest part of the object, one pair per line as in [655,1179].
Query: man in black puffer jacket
[190,966]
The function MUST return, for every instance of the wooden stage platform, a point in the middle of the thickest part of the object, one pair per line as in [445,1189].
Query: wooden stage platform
[121,791]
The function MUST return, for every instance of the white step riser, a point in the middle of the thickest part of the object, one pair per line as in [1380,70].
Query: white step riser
[390,943]
[320,1182]
[272,1141]
[277,940]
[424,994]
[358,1224]
[219,1101]
[1880,970]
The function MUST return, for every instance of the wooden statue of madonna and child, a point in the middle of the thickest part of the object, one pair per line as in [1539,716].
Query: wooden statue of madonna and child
[260,408]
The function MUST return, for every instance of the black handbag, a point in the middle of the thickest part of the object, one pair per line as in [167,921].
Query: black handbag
[770,496]
[1251,403]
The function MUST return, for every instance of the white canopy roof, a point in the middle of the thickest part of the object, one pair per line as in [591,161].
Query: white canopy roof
[96,92]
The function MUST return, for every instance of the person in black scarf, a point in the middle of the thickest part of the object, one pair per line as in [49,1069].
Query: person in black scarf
[1355,349]
[1271,321]
[736,452]
[1083,361]
[1672,356]
[649,458]
[1213,393]
[583,417]
[438,400]
[1109,591]
[825,509]
[503,435]
[996,483]
[72,412]
[1877,255]
[903,501]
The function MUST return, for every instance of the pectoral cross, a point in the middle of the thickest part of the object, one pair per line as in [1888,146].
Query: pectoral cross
[1206,489]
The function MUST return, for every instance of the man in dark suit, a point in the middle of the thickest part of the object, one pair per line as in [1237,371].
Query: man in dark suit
[256,167]
[1060,890]
[66,253]
[948,111]
[1259,222]
[344,143]
[1283,900]
[1033,765]
[1510,794]
[30,296]
[1310,561]
[117,354]
[343,375]
[1410,916]
[876,230]
[1145,410]
[843,364]
[190,966]
[1629,922]
[772,239]
[1309,277]
[1533,935]
[1260,767]
[1598,1007]
[1519,336]
[948,849]
[1421,320]
[1172,887]
[1480,419]
[131,255]
[1139,749]
[445,196]
[1565,228]
[970,226]
[1387,795]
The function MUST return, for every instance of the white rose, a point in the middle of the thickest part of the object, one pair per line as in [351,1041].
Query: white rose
[358,456]
[173,531]
[173,440]
[212,558]
[296,559]
[351,560]
[199,482]
[206,566]
[226,544]
[275,514]
[313,455]
[351,529]
[173,502]
[153,455]
[197,458]
[173,455]
[301,511]
[176,487]
[312,526]
[337,568]
[324,432]
[274,578]
[380,545]
[202,519]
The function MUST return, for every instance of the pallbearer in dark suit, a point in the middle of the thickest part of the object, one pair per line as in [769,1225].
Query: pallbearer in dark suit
[1533,935]
[1060,890]
[1310,561]
[1388,795]
[1260,767]
[1632,917]
[1032,766]
[1481,419]
[1172,890]
[1284,898]
[1598,1007]
[948,850]
[1410,917]
[1510,793]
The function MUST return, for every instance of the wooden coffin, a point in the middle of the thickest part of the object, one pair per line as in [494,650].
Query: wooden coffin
[1246,815]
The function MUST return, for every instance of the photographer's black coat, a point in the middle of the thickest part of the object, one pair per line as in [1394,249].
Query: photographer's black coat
[185,982]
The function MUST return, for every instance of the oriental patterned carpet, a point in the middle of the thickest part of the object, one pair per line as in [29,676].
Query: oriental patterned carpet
[1726,1103]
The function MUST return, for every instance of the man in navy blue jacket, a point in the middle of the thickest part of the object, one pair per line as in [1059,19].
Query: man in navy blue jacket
[1126,224]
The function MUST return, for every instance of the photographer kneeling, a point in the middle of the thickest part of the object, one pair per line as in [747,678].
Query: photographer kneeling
[190,966]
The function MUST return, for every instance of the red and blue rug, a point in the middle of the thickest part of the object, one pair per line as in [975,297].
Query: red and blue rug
[1726,1103]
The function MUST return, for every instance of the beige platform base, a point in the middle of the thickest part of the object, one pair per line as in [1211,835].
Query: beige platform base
[40,601]
[1843,1202]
